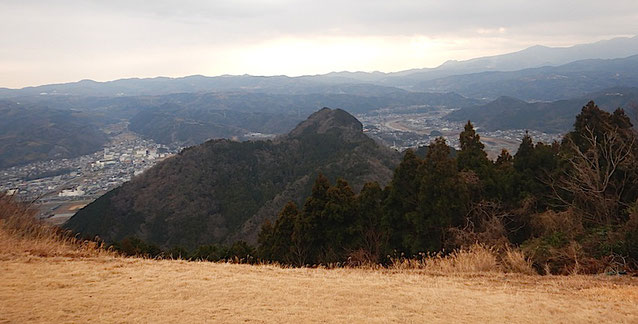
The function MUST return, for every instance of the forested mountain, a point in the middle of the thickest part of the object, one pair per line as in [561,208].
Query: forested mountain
[31,133]
[189,110]
[193,118]
[183,119]
[221,191]
[570,206]
[556,116]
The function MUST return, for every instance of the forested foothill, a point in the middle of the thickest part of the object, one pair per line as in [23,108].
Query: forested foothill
[220,192]
[569,207]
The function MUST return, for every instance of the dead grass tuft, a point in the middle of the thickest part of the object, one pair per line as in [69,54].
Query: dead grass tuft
[515,261]
[22,234]
[474,259]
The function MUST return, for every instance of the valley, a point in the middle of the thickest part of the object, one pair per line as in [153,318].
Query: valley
[60,187]
[58,184]
[401,129]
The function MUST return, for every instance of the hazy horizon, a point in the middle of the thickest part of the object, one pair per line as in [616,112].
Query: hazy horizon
[63,41]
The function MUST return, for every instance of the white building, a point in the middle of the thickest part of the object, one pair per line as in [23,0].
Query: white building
[71,192]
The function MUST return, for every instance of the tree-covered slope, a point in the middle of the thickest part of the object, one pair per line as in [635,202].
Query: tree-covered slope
[193,118]
[31,133]
[221,190]
[555,116]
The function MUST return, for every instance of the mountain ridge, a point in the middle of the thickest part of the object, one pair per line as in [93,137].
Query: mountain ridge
[222,190]
[554,116]
[548,83]
[30,133]
[531,57]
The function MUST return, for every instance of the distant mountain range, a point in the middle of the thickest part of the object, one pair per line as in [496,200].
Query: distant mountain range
[567,81]
[546,87]
[554,117]
[347,82]
[532,57]
[196,84]
[222,191]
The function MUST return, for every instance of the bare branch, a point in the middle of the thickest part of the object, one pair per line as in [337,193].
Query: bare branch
[589,185]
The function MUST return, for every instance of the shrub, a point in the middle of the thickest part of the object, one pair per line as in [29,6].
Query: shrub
[474,259]
[21,233]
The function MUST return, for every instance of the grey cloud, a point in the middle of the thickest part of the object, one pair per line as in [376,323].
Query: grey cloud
[364,17]
[48,32]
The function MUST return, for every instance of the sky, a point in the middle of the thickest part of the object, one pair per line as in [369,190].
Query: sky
[56,41]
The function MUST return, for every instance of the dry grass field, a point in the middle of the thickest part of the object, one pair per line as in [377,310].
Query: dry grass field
[47,277]
[116,290]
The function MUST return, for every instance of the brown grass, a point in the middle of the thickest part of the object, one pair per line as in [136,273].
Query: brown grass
[477,258]
[48,277]
[22,234]
[115,290]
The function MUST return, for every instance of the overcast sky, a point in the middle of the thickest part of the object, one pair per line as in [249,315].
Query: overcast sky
[61,41]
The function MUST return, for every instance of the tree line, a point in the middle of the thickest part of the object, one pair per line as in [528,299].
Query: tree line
[567,204]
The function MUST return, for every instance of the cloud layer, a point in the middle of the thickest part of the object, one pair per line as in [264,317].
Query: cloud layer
[55,41]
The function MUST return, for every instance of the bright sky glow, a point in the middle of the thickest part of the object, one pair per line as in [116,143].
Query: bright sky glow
[62,41]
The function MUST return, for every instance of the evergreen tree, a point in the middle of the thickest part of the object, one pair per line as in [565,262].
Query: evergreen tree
[337,222]
[504,160]
[426,198]
[473,160]
[595,122]
[283,230]
[310,228]
[600,176]
[265,241]
[442,200]
[472,155]
[524,153]
[505,178]
[371,238]
[402,200]
[620,119]
[535,166]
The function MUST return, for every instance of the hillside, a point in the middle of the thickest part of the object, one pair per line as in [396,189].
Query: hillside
[192,118]
[221,191]
[31,133]
[556,116]
[52,127]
